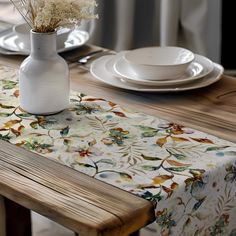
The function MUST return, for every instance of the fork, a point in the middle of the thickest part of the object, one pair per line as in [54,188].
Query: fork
[75,59]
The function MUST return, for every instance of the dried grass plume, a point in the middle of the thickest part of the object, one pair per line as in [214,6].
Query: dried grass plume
[50,15]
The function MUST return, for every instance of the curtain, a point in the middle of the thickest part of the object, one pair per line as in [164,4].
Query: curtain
[194,24]
[184,23]
[128,24]
[8,13]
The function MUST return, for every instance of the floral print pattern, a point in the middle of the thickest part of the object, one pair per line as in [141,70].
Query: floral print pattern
[188,175]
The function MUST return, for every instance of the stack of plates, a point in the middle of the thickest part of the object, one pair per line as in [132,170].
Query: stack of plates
[116,71]
[10,43]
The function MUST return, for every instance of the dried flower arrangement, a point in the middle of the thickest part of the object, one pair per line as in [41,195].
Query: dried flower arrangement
[50,15]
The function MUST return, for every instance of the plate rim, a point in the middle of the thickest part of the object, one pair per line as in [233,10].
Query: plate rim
[196,85]
[9,33]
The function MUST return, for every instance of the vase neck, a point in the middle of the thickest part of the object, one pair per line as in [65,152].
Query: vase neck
[43,45]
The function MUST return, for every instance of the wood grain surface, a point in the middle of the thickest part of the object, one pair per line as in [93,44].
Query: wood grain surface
[75,200]
[211,109]
[87,205]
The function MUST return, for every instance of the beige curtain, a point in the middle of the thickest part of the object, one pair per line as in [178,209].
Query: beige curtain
[8,13]
[194,24]
[127,24]
[184,23]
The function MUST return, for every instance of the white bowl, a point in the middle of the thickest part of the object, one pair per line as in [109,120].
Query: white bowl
[62,35]
[23,33]
[159,63]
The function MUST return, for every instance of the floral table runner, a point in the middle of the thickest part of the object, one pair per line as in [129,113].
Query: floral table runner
[190,176]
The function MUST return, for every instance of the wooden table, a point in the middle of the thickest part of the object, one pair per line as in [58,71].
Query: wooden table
[89,206]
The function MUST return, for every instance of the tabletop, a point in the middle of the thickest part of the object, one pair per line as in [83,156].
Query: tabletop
[210,109]
[89,206]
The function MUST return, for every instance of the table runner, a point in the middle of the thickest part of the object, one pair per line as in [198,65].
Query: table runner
[188,175]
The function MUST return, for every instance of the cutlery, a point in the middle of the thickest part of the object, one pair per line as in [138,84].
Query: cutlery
[75,59]
[86,58]
[93,55]
[84,61]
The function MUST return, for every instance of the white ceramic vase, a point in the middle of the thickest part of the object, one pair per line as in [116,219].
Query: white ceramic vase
[44,77]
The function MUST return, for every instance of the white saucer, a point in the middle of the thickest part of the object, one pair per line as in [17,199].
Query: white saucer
[99,71]
[12,45]
[199,68]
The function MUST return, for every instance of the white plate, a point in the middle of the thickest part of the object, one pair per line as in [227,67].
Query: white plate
[12,45]
[99,71]
[197,69]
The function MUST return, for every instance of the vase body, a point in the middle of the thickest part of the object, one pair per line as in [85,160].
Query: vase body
[44,77]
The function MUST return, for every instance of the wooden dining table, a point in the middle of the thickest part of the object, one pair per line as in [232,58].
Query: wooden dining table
[86,205]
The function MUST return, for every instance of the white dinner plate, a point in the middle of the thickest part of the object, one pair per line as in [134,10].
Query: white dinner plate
[99,71]
[199,68]
[11,45]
